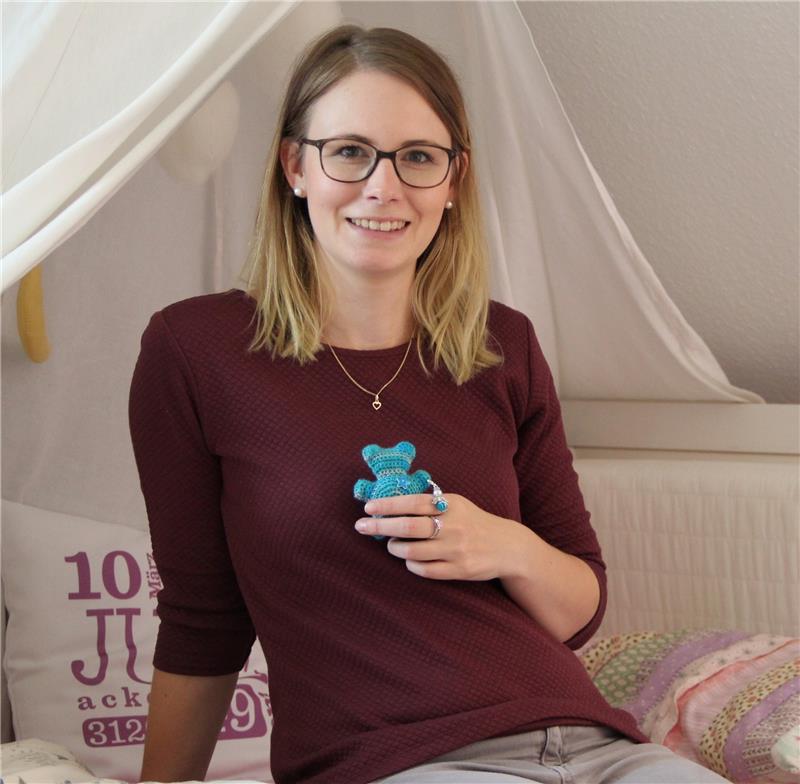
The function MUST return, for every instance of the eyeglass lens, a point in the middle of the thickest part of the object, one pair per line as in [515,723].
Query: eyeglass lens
[417,165]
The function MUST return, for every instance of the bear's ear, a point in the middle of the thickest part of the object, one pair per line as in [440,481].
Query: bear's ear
[408,448]
[370,451]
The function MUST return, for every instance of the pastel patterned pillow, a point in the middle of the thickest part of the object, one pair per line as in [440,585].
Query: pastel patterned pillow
[726,699]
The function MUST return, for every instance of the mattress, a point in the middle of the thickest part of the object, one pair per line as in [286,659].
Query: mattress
[700,543]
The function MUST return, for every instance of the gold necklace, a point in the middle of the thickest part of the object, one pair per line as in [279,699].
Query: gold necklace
[376,403]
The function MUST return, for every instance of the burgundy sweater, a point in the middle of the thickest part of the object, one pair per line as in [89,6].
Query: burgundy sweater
[247,466]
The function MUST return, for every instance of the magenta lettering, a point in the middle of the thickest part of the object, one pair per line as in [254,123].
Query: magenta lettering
[129,613]
[114,731]
[153,578]
[110,575]
[78,666]
[245,718]
[131,698]
[81,560]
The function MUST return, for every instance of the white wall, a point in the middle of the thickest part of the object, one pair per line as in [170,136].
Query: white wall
[689,112]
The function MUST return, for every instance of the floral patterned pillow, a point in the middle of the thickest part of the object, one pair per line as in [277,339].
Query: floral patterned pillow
[726,699]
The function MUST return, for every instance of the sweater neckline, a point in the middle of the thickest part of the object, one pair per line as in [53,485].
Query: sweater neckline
[351,353]
[354,353]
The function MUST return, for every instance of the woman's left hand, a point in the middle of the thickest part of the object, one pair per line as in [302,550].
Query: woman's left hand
[472,545]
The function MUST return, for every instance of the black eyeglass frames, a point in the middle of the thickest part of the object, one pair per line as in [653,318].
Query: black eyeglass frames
[353,160]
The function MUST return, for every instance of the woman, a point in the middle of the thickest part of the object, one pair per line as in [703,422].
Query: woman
[442,653]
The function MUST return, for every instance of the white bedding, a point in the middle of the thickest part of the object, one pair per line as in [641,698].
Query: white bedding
[35,761]
[699,543]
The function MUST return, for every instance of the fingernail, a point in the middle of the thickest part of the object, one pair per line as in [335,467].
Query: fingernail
[361,526]
[369,507]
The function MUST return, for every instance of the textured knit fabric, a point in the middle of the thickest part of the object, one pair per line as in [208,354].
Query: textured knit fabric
[247,467]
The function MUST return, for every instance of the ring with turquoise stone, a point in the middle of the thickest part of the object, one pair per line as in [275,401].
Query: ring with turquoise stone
[438,500]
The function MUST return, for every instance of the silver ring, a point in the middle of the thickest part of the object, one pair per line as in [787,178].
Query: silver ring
[438,500]
[437,526]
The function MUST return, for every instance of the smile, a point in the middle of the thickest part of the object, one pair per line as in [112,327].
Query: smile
[375,225]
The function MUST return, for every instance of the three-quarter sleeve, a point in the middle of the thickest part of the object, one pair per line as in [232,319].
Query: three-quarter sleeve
[205,628]
[551,503]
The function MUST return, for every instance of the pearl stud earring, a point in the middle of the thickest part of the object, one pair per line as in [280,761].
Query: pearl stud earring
[299,192]
[448,205]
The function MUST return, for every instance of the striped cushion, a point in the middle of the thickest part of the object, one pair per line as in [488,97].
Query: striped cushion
[726,699]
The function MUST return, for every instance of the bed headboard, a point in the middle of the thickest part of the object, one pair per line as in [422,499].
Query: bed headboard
[696,506]
[769,430]
[696,542]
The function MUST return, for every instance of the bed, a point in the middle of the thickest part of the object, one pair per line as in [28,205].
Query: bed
[695,505]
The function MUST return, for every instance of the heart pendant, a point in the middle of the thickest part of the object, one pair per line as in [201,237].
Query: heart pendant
[376,404]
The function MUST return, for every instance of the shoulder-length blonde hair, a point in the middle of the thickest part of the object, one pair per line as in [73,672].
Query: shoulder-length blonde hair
[450,299]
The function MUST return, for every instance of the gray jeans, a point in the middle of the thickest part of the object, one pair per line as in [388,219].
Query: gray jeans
[558,755]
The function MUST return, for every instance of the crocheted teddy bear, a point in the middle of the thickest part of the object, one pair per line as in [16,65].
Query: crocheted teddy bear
[390,467]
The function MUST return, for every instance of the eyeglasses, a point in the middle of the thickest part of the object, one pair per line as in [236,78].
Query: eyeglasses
[351,160]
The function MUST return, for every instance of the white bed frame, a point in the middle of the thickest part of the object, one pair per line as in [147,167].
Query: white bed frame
[677,491]
[696,506]
[728,430]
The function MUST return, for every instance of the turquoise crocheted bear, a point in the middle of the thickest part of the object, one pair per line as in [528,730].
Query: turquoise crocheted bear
[390,467]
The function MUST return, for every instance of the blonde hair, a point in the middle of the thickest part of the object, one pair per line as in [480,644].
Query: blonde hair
[450,298]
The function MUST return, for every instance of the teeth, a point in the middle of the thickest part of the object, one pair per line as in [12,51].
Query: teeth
[378,225]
